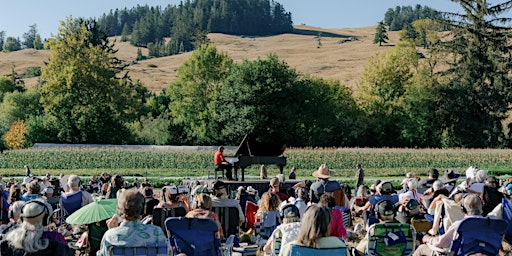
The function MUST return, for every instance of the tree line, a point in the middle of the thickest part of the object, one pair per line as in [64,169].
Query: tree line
[396,19]
[85,96]
[188,23]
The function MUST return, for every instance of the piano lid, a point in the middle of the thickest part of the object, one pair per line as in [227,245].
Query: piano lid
[251,147]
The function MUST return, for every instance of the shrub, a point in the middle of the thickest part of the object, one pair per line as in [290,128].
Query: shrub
[15,137]
[152,65]
[32,72]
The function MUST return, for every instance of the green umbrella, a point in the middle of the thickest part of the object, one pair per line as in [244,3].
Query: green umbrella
[96,211]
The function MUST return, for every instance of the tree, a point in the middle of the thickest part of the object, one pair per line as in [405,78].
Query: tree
[380,94]
[256,99]
[193,93]
[81,90]
[11,44]
[7,85]
[15,137]
[30,36]
[476,97]
[381,34]
[2,39]
[38,43]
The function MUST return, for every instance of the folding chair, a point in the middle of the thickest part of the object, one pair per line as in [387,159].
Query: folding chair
[447,212]
[151,249]
[250,214]
[227,248]
[193,236]
[230,221]
[476,235]
[297,250]
[161,214]
[71,203]
[390,239]
[507,216]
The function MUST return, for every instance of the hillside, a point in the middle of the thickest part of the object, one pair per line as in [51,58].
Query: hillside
[333,60]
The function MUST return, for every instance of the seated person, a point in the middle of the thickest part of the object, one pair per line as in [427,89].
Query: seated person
[67,199]
[268,213]
[314,231]
[288,230]
[131,231]
[385,211]
[430,194]
[220,199]
[385,191]
[29,237]
[14,216]
[491,196]
[337,227]
[275,188]
[433,175]
[150,202]
[172,198]
[33,191]
[322,184]
[204,210]
[473,207]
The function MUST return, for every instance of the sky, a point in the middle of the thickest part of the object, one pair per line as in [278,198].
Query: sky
[18,16]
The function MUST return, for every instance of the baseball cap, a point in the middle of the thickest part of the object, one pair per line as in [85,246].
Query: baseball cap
[385,208]
[218,185]
[386,187]
[290,211]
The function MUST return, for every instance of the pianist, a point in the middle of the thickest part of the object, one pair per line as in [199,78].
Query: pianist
[221,163]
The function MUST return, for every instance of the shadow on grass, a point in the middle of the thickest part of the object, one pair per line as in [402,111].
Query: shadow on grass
[309,32]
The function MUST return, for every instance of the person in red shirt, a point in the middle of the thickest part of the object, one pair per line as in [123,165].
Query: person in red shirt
[221,163]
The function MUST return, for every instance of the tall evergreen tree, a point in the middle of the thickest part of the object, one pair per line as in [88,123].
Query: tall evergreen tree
[477,97]
[381,34]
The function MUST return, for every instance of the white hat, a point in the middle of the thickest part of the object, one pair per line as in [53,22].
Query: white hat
[48,190]
[323,172]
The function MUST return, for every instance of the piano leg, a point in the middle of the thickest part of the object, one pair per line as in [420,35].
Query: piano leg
[243,174]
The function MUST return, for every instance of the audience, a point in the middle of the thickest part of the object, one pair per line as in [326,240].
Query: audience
[29,237]
[337,226]
[220,199]
[268,213]
[131,231]
[172,199]
[204,210]
[314,231]
[287,231]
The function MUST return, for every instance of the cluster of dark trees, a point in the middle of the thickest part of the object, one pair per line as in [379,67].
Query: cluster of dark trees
[399,17]
[31,39]
[188,23]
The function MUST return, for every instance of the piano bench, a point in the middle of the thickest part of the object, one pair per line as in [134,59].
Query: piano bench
[215,170]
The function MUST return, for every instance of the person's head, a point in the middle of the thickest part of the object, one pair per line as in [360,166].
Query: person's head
[492,182]
[385,188]
[433,173]
[385,210]
[327,200]
[130,204]
[15,210]
[48,192]
[294,169]
[302,193]
[269,202]
[363,191]
[147,192]
[74,182]
[481,176]
[323,172]
[289,214]
[33,187]
[274,184]
[219,190]
[34,216]
[117,181]
[290,192]
[104,174]
[409,175]
[358,166]
[171,194]
[437,185]
[412,184]
[220,148]
[314,225]
[204,201]
[471,205]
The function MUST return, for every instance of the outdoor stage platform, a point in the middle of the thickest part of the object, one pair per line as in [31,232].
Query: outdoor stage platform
[232,185]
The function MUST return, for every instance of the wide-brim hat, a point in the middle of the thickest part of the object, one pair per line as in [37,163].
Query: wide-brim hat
[323,172]
[450,176]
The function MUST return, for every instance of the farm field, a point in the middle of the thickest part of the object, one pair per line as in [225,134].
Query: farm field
[175,165]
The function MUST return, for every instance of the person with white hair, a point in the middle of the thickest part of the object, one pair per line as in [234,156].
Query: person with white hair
[472,205]
[30,237]
[74,186]
[130,231]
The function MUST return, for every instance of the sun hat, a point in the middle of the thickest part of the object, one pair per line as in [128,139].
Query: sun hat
[323,172]
[385,187]
[48,190]
[450,176]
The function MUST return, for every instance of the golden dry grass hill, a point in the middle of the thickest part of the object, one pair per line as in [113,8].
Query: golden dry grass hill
[333,60]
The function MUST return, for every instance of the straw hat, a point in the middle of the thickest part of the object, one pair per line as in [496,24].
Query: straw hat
[323,172]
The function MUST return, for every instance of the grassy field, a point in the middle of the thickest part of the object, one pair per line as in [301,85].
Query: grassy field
[167,165]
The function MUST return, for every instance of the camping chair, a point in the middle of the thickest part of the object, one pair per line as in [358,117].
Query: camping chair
[150,249]
[250,214]
[298,250]
[227,248]
[230,221]
[476,235]
[161,214]
[347,218]
[507,216]
[71,203]
[391,239]
[81,246]
[193,236]
[447,212]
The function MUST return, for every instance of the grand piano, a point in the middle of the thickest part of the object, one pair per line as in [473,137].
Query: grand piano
[250,151]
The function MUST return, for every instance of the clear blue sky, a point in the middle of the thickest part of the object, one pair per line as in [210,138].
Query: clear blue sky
[16,16]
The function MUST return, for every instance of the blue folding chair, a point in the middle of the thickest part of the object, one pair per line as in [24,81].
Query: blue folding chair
[151,249]
[477,235]
[193,236]
[507,216]
[298,250]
